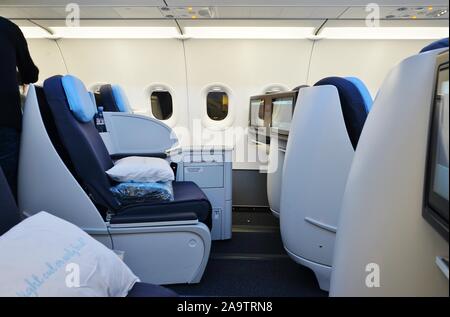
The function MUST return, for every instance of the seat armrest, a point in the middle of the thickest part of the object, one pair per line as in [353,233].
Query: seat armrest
[119,156]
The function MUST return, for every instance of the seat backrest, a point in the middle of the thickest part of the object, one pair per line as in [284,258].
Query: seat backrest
[442,43]
[72,111]
[9,213]
[355,102]
[365,94]
[382,224]
[114,99]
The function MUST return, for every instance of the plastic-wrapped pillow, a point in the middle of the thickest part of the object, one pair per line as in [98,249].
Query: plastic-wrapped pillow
[132,193]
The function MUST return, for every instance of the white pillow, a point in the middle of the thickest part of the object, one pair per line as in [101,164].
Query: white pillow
[141,170]
[47,256]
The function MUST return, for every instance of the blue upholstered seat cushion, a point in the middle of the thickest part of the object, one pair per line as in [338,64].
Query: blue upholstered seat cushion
[79,99]
[121,98]
[368,101]
[136,193]
[353,105]
[442,43]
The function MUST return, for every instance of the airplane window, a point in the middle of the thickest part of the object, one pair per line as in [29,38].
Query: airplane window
[217,105]
[162,107]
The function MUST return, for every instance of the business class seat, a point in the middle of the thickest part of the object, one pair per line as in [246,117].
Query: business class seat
[10,216]
[324,134]
[113,99]
[384,245]
[166,242]
[90,159]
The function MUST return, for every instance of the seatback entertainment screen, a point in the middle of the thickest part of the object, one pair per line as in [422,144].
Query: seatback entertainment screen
[282,109]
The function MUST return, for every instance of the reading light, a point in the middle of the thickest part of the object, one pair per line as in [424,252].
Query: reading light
[249,32]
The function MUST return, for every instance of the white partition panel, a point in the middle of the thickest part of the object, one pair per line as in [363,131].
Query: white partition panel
[370,60]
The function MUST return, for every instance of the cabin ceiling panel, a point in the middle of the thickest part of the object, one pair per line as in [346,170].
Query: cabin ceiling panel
[400,12]
[388,23]
[250,23]
[298,2]
[160,3]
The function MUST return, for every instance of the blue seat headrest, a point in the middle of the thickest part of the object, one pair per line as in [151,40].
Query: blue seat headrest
[353,105]
[79,99]
[368,101]
[442,43]
[121,98]
[114,99]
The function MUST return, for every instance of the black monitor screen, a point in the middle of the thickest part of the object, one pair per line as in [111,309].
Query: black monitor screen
[436,196]
[257,112]
[282,109]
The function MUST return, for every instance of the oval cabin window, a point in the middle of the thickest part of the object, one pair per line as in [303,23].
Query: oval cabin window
[217,105]
[162,107]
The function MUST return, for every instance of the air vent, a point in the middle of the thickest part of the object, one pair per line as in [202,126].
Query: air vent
[187,12]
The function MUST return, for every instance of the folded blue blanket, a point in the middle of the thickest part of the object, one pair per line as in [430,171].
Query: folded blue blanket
[133,193]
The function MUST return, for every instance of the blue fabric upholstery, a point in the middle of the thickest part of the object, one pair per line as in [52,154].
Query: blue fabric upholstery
[113,99]
[149,290]
[9,214]
[108,102]
[121,98]
[80,102]
[352,104]
[442,43]
[368,101]
[88,159]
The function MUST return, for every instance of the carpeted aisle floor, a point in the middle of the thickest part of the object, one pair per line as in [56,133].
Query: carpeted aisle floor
[253,263]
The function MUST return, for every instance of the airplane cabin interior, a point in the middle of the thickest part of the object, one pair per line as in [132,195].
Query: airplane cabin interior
[213,149]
